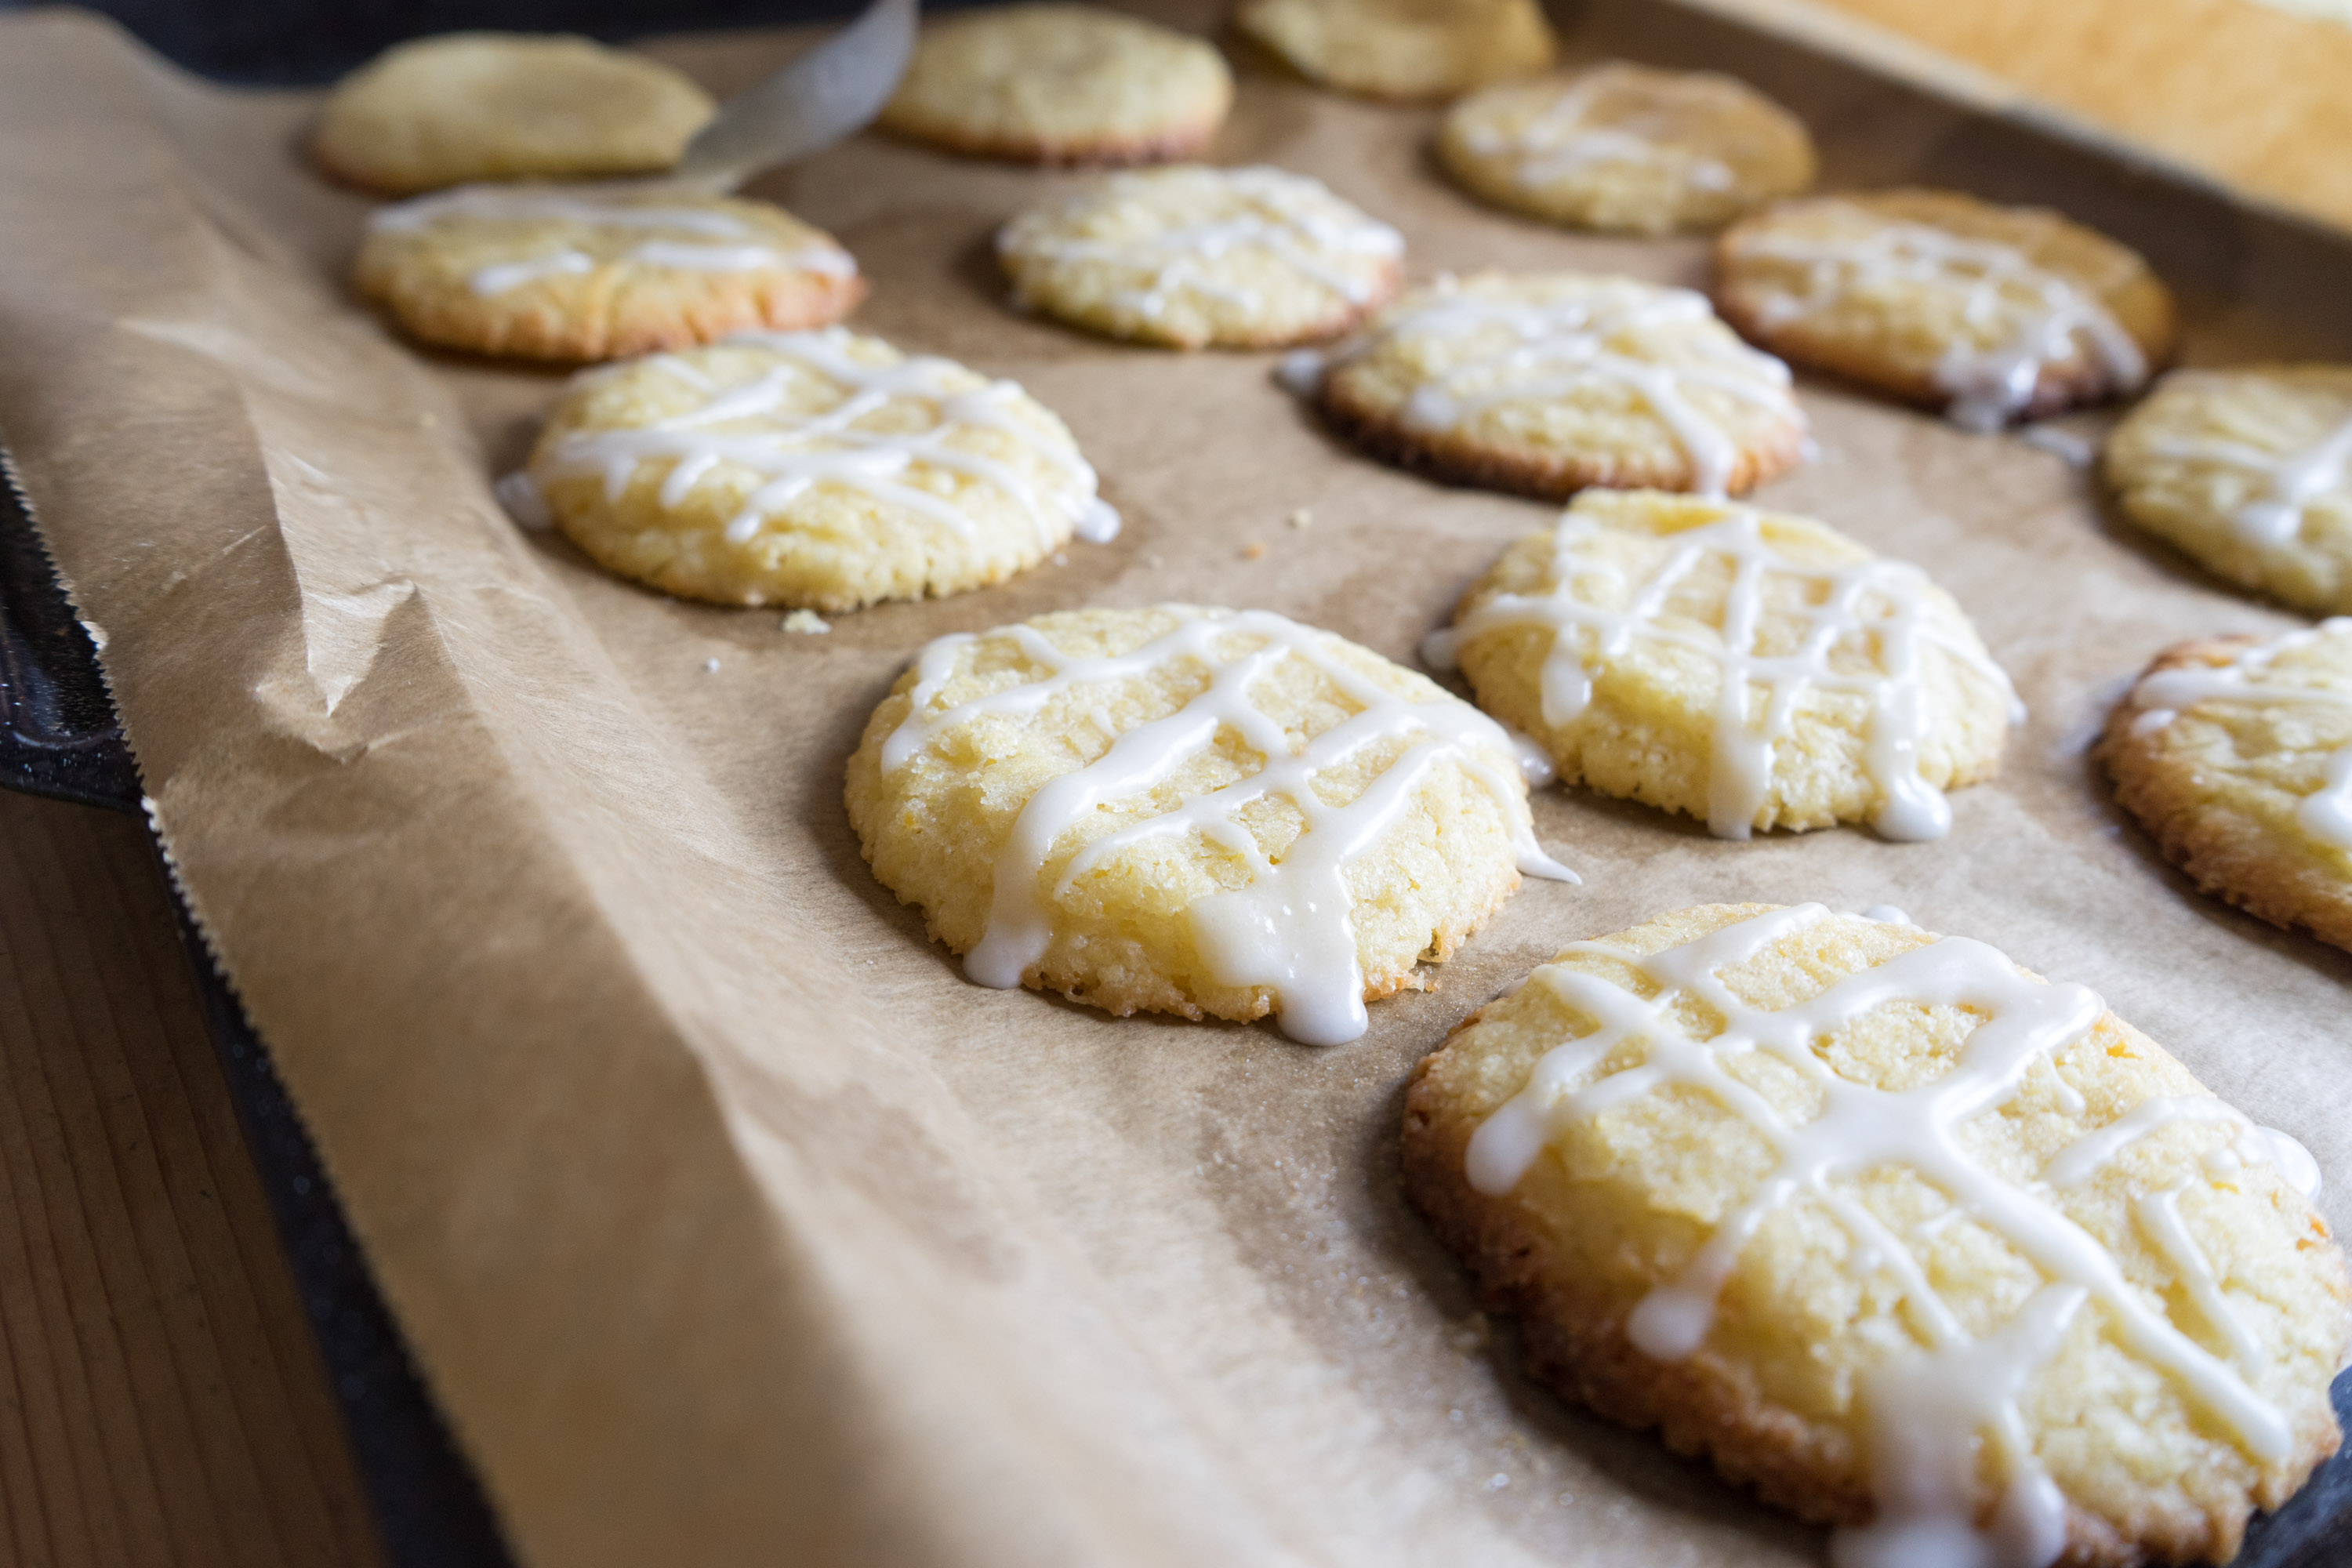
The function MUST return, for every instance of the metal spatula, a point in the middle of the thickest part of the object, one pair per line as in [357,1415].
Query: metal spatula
[828,93]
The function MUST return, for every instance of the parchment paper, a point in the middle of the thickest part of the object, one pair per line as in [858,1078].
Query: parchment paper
[728,1223]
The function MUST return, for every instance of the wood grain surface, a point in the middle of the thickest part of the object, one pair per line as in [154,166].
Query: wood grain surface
[162,1400]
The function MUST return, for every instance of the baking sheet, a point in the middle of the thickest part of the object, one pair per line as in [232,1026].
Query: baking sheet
[727,1220]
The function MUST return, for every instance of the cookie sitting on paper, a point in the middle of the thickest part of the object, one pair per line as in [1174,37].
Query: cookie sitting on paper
[1908,1240]
[2236,754]
[1179,810]
[1751,669]
[506,106]
[1193,256]
[592,273]
[820,470]
[1402,48]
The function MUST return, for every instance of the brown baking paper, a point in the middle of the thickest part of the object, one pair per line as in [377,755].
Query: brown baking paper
[728,1222]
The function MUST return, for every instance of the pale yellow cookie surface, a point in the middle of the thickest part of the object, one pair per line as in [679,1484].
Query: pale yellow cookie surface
[506,106]
[1893,1231]
[2249,471]
[1545,383]
[1990,313]
[1195,256]
[1189,811]
[1626,149]
[2236,754]
[823,470]
[1402,48]
[591,273]
[1754,670]
[1061,84]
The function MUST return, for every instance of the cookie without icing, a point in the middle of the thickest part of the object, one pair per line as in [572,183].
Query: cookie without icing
[1402,48]
[591,273]
[1194,255]
[1752,668]
[2236,754]
[2249,471]
[506,106]
[1897,1233]
[820,470]
[1544,382]
[1988,313]
[1189,811]
[1625,149]
[1061,84]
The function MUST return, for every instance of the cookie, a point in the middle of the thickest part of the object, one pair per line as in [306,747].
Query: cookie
[1908,1240]
[588,273]
[2249,471]
[1627,150]
[1544,382]
[506,106]
[1061,84]
[1194,255]
[1402,48]
[820,470]
[2235,754]
[1193,811]
[1988,313]
[1752,668]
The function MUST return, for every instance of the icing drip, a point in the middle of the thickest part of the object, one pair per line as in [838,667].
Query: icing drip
[1989,387]
[1561,141]
[1873,603]
[1929,1409]
[1289,927]
[2326,814]
[794,453]
[1291,220]
[2282,484]
[1560,347]
[540,207]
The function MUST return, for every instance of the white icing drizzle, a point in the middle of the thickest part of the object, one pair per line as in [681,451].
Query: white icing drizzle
[1876,603]
[1561,141]
[2282,484]
[794,453]
[1927,1409]
[1991,385]
[2326,814]
[1290,218]
[484,201]
[1290,927]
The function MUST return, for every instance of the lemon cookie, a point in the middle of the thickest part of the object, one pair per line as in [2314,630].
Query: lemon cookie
[1193,256]
[1545,383]
[1402,48]
[2250,472]
[1908,1240]
[1626,149]
[1749,668]
[1990,313]
[589,273]
[822,471]
[506,106]
[1061,84]
[2236,754]
[1190,811]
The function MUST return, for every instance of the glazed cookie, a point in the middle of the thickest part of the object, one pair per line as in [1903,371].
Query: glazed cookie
[817,469]
[1990,313]
[1194,255]
[548,272]
[1544,382]
[2250,472]
[1061,84]
[1190,811]
[2236,754]
[1909,1240]
[1626,149]
[1402,48]
[1752,668]
[506,106]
